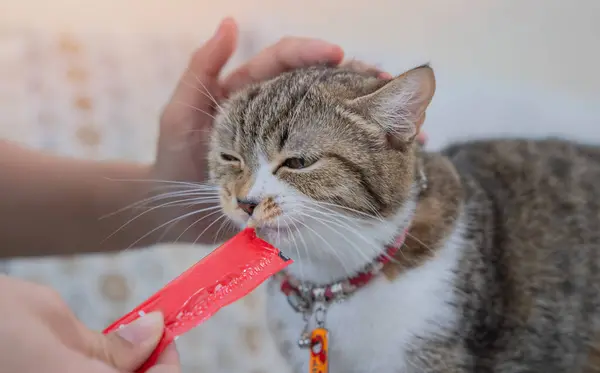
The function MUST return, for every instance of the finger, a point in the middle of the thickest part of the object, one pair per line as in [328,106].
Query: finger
[128,347]
[206,64]
[287,54]
[214,54]
[365,68]
[82,364]
[67,361]
[165,369]
[168,361]
[170,356]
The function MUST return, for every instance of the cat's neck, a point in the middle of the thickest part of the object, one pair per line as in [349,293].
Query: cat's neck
[428,218]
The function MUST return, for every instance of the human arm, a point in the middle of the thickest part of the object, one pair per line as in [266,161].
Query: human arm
[51,204]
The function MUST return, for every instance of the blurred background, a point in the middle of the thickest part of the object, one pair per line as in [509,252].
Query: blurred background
[89,79]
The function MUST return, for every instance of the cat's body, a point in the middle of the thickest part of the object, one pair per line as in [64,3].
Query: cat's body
[514,287]
[499,272]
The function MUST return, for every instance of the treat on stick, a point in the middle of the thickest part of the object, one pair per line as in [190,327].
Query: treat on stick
[222,277]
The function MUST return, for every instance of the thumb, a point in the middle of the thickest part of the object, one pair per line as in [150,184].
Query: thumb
[128,348]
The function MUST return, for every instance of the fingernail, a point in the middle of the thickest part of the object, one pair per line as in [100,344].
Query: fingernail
[219,32]
[146,328]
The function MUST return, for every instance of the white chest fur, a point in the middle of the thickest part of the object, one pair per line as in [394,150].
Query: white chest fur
[373,329]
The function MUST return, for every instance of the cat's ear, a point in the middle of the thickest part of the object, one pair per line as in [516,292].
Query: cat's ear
[399,106]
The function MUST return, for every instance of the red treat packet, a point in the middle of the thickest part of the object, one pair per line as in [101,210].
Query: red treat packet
[222,277]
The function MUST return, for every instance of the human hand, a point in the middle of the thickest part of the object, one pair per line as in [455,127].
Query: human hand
[38,333]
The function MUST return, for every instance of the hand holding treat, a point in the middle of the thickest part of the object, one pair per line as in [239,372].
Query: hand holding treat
[43,335]
[224,276]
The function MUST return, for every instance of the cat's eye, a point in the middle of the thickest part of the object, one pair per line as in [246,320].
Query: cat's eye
[296,163]
[229,158]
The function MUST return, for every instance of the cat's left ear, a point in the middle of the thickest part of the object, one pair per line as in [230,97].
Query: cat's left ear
[399,106]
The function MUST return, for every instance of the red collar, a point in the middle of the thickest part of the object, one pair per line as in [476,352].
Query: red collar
[302,296]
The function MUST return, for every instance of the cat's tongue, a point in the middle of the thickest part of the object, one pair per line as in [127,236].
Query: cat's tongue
[225,275]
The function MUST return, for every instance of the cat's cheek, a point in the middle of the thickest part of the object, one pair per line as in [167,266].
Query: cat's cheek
[236,217]
[229,207]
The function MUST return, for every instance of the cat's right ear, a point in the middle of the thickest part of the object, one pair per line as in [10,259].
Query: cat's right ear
[399,106]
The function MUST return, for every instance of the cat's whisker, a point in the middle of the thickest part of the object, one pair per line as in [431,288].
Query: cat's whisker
[178,187]
[189,202]
[192,224]
[181,217]
[328,224]
[325,209]
[401,252]
[166,231]
[277,238]
[329,246]
[207,94]
[179,193]
[174,182]
[196,109]
[419,241]
[166,204]
[158,197]
[210,225]
[173,195]
[337,218]
[334,205]
[291,234]
[293,222]
[306,250]
[204,92]
[373,215]
[224,223]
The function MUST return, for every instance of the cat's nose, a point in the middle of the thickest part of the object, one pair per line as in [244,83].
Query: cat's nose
[247,205]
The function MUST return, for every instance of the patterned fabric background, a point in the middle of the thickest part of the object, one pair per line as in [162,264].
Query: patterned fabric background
[99,96]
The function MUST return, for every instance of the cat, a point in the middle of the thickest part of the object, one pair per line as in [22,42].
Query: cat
[483,257]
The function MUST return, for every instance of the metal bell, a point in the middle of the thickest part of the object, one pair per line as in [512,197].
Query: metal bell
[304,341]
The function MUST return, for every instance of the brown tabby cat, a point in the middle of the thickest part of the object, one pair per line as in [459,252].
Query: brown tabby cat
[495,243]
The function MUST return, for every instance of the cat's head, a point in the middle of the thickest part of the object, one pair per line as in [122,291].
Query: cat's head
[291,152]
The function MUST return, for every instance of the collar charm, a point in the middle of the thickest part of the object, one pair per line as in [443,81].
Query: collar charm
[319,343]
